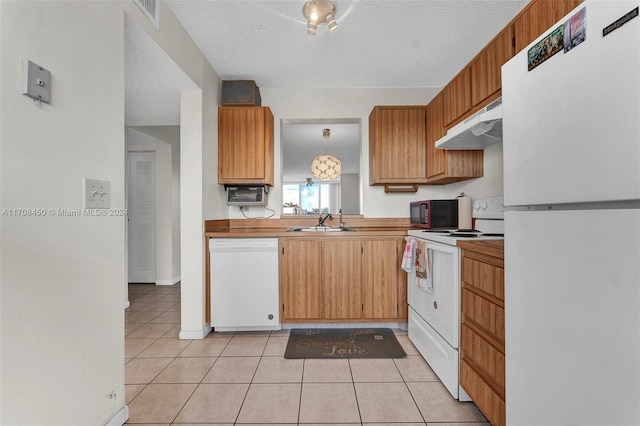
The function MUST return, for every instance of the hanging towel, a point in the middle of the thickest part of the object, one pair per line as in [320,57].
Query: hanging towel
[423,267]
[408,258]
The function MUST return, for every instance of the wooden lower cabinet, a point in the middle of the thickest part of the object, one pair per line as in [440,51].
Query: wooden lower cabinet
[300,279]
[482,334]
[340,279]
[384,282]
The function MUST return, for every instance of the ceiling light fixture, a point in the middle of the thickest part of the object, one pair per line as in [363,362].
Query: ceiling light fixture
[326,167]
[318,12]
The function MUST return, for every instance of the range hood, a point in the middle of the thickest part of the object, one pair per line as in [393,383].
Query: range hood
[481,130]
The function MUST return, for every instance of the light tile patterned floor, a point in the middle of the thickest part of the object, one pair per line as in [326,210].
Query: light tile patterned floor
[243,378]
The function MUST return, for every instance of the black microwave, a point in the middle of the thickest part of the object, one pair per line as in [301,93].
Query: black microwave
[434,214]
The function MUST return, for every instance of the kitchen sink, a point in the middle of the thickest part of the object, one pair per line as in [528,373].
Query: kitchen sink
[319,229]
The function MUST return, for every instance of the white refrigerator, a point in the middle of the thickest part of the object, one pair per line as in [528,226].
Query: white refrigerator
[571,148]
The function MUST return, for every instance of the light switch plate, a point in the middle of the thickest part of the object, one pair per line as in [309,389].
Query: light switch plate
[97,193]
[36,81]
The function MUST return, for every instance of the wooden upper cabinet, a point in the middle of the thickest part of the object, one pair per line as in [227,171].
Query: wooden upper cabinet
[436,162]
[245,145]
[448,166]
[457,96]
[538,17]
[397,149]
[486,67]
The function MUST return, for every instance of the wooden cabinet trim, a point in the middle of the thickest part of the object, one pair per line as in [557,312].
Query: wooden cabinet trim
[483,315]
[489,380]
[490,403]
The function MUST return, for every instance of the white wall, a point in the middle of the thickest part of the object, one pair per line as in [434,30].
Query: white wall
[350,193]
[62,292]
[200,196]
[166,248]
[62,312]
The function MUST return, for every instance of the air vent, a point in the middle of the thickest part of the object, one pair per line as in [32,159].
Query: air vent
[151,8]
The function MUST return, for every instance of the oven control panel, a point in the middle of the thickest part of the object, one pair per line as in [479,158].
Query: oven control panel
[489,208]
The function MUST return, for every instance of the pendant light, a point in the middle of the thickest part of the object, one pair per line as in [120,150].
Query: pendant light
[325,166]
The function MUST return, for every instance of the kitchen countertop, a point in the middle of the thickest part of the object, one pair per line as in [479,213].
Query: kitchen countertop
[256,228]
[490,247]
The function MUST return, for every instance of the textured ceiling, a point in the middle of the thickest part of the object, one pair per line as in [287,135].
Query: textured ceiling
[152,81]
[378,43]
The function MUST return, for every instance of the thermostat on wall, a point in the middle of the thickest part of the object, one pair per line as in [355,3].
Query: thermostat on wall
[36,81]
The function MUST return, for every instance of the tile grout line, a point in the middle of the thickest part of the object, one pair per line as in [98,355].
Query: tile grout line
[244,399]
[355,392]
[409,390]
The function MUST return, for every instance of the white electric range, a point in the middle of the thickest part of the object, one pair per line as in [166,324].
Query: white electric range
[434,314]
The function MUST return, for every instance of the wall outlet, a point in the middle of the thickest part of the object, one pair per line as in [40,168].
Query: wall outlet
[97,193]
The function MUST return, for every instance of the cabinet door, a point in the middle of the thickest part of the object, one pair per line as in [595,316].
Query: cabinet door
[457,96]
[397,150]
[245,145]
[486,67]
[342,279]
[301,279]
[384,281]
[436,162]
[538,17]
[448,166]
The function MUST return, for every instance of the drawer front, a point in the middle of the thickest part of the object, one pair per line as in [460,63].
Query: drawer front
[483,276]
[484,356]
[483,314]
[491,405]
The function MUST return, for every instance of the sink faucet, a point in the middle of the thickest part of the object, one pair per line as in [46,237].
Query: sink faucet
[322,219]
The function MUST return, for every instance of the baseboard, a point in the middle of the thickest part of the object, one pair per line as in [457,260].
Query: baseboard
[127,304]
[393,325]
[195,334]
[169,282]
[120,418]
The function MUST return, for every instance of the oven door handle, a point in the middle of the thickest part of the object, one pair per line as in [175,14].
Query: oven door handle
[441,248]
[436,246]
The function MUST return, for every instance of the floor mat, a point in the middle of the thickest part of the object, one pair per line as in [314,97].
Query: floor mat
[343,343]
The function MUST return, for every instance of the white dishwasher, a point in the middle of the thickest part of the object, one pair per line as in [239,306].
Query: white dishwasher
[244,284]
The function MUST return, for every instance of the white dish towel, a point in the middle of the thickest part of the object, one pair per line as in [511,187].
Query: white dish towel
[424,279]
[408,258]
